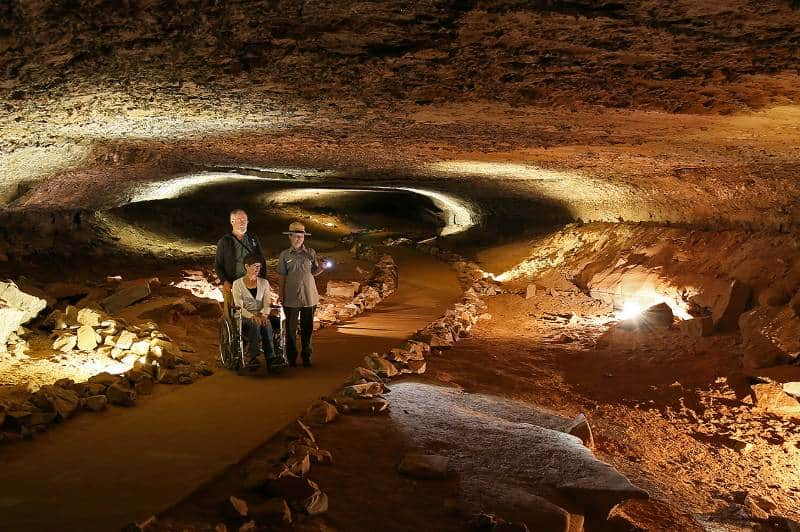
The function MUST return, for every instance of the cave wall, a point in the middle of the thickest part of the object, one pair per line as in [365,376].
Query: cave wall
[631,110]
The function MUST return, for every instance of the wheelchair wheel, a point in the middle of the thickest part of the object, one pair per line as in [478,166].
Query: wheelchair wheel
[231,352]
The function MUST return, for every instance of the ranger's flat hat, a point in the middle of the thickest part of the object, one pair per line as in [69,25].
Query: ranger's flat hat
[296,228]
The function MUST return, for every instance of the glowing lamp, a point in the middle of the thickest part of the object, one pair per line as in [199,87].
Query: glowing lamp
[630,310]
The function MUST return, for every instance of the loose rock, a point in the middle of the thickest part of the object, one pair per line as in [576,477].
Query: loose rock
[424,466]
[121,394]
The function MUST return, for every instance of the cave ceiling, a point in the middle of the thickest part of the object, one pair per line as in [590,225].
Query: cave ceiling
[680,111]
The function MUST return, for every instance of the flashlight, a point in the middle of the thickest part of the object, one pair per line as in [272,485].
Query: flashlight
[327,264]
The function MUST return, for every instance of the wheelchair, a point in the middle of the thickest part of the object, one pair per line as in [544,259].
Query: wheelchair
[232,353]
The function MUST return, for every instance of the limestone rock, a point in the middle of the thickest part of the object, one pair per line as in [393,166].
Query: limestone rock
[121,394]
[753,508]
[773,296]
[105,379]
[51,398]
[95,403]
[88,389]
[370,389]
[792,388]
[730,306]
[580,427]
[141,348]
[345,289]
[697,327]
[71,316]
[530,291]
[273,512]
[30,306]
[321,412]
[10,320]
[373,406]
[794,304]
[416,366]
[65,343]
[771,336]
[361,375]
[316,504]
[380,365]
[56,320]
[89,316]
[128,293]
[235,507]
[424,466]
[298,465]
[125,340]
[87,341]
[772,398]
[300,430]
[417,350]
[144,386]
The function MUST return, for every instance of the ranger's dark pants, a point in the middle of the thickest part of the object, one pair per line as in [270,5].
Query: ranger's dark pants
[306,315]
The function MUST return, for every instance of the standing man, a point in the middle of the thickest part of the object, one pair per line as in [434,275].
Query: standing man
[297,267]
[231,251]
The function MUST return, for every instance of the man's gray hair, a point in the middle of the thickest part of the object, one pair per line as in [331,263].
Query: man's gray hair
[237,211]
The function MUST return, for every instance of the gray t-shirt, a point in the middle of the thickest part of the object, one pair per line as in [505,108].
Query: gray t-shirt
[299,267]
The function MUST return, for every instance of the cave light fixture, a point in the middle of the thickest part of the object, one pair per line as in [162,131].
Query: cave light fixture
[632,305]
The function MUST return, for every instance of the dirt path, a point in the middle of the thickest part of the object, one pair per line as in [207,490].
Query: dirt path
[99,472]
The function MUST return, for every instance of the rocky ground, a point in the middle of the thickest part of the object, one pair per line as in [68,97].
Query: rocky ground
[676,409]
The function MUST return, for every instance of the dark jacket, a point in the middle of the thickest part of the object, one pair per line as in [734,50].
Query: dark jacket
[225,263]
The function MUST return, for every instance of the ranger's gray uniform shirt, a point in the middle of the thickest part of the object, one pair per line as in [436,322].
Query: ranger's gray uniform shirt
[298,266]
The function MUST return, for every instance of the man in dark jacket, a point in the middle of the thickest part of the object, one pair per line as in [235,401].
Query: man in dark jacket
[233,248]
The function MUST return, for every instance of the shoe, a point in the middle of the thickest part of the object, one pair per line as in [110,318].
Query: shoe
[292,364]
[253,365]
[306,363]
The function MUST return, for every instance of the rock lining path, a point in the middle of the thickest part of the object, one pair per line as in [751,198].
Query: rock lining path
[100,471]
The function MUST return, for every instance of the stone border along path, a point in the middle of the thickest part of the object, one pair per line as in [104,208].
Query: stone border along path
[361,393]
[153,355]
[97,476]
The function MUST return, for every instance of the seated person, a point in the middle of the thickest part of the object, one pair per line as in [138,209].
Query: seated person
[253,295]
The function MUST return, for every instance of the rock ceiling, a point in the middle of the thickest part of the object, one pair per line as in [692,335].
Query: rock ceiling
[634,110]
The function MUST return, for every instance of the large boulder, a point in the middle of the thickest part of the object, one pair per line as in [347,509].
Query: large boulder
[12,296]
[10,320]
[697,327]
[771,397]
[771,336]
[659,315]
[16,308]
[730,306]
[127,294]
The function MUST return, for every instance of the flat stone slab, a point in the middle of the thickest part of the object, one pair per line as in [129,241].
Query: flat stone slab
[506,445]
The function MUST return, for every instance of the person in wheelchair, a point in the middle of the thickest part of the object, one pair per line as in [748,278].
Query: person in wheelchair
[252,294]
